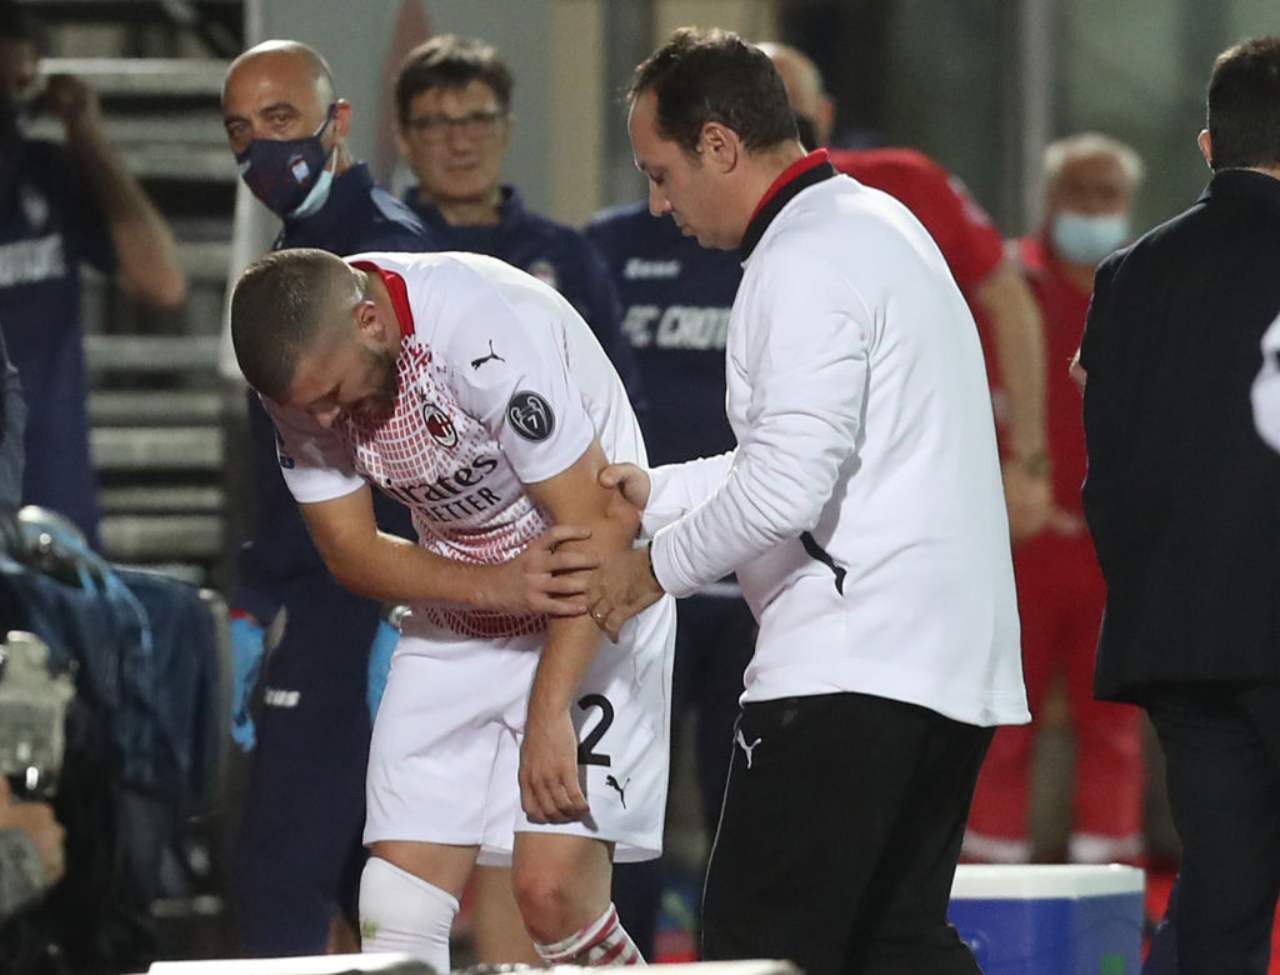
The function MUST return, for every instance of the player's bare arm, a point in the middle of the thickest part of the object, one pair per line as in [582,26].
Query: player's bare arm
[371,563]
[549,787]
[1019,347]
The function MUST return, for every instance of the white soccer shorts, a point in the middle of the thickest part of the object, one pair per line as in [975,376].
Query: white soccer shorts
[444,763]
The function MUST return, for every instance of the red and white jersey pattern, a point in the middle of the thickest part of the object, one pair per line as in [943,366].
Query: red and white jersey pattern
[500,384]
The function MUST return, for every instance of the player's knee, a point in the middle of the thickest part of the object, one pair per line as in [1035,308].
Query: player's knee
[546,901]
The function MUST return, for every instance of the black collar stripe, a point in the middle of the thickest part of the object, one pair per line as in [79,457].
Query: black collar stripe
[784,195]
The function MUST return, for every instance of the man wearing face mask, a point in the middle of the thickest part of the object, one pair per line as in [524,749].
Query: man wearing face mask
[1090,183]
[300,854]
[62,206]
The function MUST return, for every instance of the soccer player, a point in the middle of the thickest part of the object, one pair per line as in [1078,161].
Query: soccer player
[299,854]
[478,398]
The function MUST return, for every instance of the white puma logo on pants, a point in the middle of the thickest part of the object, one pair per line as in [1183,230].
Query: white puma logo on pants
[742,742]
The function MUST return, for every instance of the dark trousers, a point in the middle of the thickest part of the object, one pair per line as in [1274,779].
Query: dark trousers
[1222,748]
[715,637]
[300,852]
[839,837]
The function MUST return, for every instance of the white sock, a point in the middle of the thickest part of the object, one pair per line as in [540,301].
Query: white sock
[602,943]
[401,912]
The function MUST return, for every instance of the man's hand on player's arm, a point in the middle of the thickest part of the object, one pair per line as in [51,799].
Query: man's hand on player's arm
[380,566]
[625,585]
[550,791]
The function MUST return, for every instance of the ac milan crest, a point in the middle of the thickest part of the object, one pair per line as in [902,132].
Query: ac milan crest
[439,425]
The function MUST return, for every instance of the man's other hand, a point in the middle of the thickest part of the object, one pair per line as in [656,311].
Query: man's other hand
[623,587]
[631,481]
[71,100]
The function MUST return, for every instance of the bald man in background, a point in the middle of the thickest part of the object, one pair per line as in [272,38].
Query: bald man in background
[300,854]
[998,296]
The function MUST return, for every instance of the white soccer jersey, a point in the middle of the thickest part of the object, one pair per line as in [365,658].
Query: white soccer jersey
[501,384]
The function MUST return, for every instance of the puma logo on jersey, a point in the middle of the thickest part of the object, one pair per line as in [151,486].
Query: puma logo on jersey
[747,749]
[612,783]
[477,363]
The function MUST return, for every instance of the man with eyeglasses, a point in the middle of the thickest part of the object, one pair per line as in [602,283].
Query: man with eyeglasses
[453,102]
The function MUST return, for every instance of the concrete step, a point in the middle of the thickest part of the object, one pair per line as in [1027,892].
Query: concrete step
[167,538]
[144,77]
[152,353]
[205,260]
[162,407]
[189,448]
[180,499]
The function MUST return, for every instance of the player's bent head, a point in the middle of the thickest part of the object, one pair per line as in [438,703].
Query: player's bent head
[702,76]
[1244,106]
[283,306]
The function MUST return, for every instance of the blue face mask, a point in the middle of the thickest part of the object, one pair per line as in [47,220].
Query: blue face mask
[290,176]
[1086,239]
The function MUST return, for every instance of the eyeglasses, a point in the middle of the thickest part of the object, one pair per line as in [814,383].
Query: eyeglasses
[474,125]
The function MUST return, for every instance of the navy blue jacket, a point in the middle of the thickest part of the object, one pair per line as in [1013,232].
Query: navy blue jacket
[677,297]
[49,226]
[358,216]
[557,255]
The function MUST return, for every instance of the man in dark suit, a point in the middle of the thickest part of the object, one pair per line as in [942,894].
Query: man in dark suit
[1183,500]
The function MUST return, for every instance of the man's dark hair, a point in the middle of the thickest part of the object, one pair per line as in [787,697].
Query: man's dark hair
[702,76]
[449,61]
[281,303]
[1244,105]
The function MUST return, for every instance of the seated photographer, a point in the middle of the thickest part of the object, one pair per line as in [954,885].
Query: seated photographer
[31,851]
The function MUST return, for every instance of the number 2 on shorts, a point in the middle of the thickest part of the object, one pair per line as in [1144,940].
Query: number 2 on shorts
[586,753]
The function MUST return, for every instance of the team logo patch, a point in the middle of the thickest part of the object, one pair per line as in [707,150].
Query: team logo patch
[439,425]
[530,415]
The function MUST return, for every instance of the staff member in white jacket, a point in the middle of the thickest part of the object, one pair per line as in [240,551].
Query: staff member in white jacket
[863,514]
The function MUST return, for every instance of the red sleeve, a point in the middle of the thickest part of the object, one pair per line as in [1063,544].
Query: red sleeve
[964,233]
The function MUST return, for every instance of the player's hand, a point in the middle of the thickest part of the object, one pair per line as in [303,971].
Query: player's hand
[549,787]
[631,481]
[36,819]
[547,578]
[1029,499]
[623,587]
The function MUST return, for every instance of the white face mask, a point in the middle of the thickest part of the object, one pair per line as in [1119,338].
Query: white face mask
[319,194]
[1083,238]
[1266,388]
